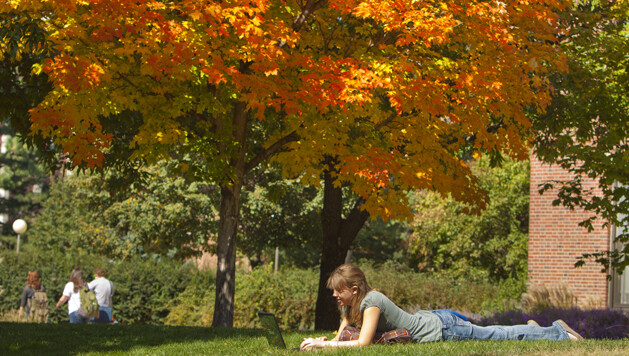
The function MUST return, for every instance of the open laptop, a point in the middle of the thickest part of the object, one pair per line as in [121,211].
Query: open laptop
[272,330]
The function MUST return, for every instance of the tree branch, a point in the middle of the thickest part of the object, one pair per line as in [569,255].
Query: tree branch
[353,223]
[310,7]
[275,148]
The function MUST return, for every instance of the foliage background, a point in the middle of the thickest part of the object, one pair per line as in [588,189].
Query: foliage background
[160,290]
[445,258]
[25,181]
[143,287]
[492,245]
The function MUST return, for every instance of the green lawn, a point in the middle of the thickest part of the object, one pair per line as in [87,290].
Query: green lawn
[52,339]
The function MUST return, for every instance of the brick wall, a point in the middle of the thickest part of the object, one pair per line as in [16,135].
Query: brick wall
[555,240]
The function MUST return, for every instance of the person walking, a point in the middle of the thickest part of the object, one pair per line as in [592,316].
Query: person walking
[34,302]
[103,289]
[72,295]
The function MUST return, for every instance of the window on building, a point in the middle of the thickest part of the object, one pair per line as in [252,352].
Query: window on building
[620,281]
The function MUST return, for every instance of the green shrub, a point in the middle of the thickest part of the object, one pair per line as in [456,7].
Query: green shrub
[195,305]
[54,270]
[412,291]
[164,291]
[291,294]
[143,287]
[492,246]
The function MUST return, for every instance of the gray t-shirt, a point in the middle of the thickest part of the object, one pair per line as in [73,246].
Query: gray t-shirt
[424,326]
[103,289]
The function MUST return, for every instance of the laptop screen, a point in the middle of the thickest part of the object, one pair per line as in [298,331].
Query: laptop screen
[271,330]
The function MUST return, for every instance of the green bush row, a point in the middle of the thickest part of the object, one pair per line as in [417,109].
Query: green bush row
[163,291]
[144,288]
[291,295]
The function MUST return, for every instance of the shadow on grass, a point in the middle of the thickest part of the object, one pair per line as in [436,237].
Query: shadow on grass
[48,339]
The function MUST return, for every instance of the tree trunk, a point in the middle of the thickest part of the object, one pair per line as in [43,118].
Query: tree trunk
[226,255]
[338,235]
[228,227]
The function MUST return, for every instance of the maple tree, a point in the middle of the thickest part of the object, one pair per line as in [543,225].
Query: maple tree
[376,96]
[449,79]
[586,127]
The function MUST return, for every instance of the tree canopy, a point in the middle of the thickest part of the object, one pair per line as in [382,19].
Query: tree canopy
[419,76]
[379,96]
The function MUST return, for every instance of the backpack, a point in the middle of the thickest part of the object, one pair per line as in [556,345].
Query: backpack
[39,306]
[89,304]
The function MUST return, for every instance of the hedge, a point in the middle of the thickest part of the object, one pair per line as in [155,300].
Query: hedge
[162,291]
[144,288]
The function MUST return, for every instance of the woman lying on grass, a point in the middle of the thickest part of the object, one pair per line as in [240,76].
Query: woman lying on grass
[372,311]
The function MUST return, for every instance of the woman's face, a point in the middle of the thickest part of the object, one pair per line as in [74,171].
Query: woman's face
[345,295]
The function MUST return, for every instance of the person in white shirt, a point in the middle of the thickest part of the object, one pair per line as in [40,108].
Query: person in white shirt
[72,295]
[103,289]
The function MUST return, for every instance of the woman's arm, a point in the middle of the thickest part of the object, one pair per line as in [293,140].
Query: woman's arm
[62,301]
[367,332]
[344,323]
[370,324]
[24,299]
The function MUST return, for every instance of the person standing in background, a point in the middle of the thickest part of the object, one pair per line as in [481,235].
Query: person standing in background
[104,289]
[33,285]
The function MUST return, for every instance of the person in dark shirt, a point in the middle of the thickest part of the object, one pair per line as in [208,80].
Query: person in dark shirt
[33,283]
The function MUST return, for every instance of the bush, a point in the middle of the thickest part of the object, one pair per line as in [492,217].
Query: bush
[541,297]
[591,324]
[493,245]
[195,305]
[165,291]
[143,288]
[291,294]
[54,270]
[413,291]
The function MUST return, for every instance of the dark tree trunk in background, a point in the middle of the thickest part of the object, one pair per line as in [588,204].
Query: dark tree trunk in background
[338,235]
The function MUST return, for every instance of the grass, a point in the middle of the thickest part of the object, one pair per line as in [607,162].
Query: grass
[64,339]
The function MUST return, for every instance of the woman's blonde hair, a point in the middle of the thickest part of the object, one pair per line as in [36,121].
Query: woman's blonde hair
[33,280]
[347,276]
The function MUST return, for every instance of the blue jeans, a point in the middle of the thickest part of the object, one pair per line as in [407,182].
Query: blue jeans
[455,328]
[76,318]
[104,315]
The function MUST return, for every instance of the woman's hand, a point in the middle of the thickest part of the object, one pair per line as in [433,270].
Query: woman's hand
[310,343]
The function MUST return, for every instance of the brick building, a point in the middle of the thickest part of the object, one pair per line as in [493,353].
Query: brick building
[556,240]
